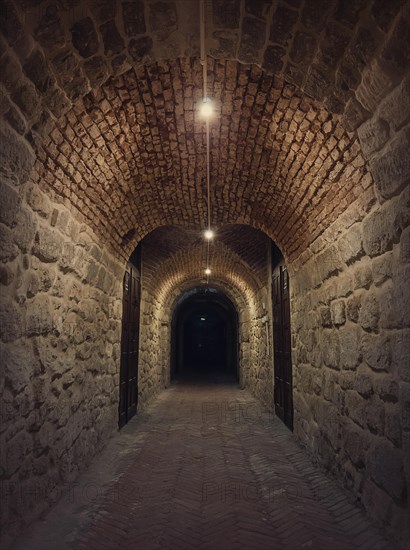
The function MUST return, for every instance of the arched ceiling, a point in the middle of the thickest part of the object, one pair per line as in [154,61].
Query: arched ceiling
[106,93]
[248,244]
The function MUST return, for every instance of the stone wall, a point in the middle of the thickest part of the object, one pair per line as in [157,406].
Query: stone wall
[350,322]
[60,317]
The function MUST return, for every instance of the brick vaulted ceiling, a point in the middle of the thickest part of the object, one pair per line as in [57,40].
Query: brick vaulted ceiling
[106,93]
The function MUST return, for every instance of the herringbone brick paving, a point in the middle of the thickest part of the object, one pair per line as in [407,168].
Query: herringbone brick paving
[212,471]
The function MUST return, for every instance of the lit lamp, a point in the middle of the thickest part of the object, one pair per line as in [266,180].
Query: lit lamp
[209,234]
[207,271]
[206,109]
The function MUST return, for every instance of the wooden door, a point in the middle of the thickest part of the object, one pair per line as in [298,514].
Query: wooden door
[129,345]
[282,345]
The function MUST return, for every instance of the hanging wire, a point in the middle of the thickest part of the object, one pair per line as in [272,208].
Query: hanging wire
[205,98]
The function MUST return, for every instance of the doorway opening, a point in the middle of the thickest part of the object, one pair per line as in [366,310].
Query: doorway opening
[131,299]
[205,337]
[282,358]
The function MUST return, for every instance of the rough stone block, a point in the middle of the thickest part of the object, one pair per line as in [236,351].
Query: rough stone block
[9,204]
[6,275]
[373,134]
[405,245]
[401,353]
[19,364]
[113,42]
[375,417]
[224,44]
[84,37]
[382,268]
[353,305]
[226,13]
[385,465]
[350,244]
[355,408]
[363,384]
[163,17]
[273,59]
[283,21]
[38,201]
[375,84]
[350,349]
[8,250]
[303,47]
[37,70]
[23,233]
[397,50]
[39,320]
[329,262]
[396,107]
[370,312]
[96,70]
[133,17]
[331,349]
[11,325]
[140,49]
[378,232]
[47,245]
[386,388]
[49,31]
[401,296]
[355,444]
[392,421]
[252,40]
[377,352]
[391,170]
[354,115]
[16,156]
[338,312]
[363,276]
[325,316]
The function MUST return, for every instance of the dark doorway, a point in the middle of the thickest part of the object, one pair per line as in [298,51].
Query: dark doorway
[130,339]
[205,337]
[282,339]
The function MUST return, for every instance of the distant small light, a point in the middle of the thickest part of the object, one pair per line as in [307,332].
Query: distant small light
[206,109]
[203,319]
[209,234]
[207,271]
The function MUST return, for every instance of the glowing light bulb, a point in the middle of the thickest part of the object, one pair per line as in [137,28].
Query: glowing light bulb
[209,234]
[207,271]
[206,109]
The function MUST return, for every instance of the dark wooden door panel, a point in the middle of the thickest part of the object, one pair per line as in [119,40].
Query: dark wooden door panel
[129,345]
[282,345]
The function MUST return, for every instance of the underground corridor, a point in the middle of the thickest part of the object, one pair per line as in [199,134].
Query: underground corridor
[204,266]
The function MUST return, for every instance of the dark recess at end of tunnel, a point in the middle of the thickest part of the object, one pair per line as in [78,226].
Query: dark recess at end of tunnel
[205,337]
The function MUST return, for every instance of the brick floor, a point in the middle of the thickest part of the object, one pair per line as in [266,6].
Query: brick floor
[206,468]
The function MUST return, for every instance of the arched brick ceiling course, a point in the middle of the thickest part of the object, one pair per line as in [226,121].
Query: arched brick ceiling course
[186,267]
[249,244]
[132,155]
